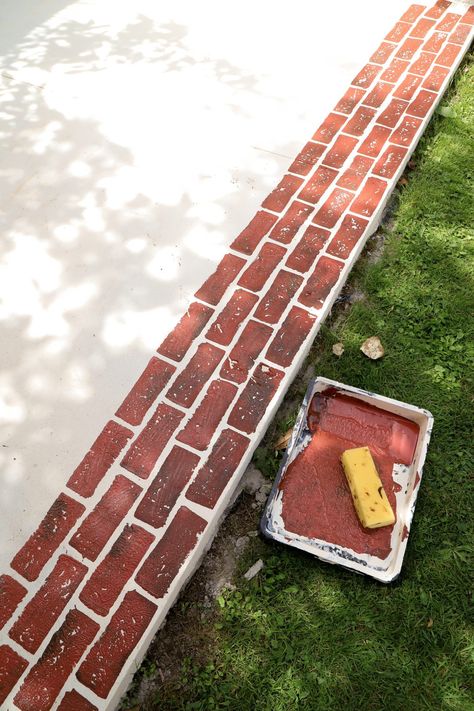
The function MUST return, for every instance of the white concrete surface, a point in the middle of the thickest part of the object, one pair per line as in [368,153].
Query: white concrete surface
[136,140]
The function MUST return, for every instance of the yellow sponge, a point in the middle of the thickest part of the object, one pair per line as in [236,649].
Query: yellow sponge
[370,500]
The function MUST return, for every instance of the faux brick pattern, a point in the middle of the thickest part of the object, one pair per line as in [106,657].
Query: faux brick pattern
[11,594]
[255,231]
[320,283]
[94,532]
[99,458]
[255,398]
[235,311]
[214,476]
[73,701]
[204,399]
[176,344]
[215,287]
[107,657]
[290,337]
[163,493]
[280,197]
[202,425]
[43,610]
[286,228]
[144,452]
[12,667]
[165,560]
[189,383]
[279,295]
[303,256]
[51,532]
[242,356]
[42,686]
[145,391]
[118,566]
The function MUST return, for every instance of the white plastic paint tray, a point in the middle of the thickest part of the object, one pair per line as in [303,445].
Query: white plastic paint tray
[406,478]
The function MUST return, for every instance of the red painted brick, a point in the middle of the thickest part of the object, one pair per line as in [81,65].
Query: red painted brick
[303,256]
[366,75]
[369,198]
[393,113]
[99,458]
[351,98]
[378,94]
[12,667]
[422,104]
[214,476]
[438,9]
[51,532]
[105,660]
[359,121]
[11,594]
[286,228]
[290,337]
[460,34]
[448,55]
[190,382]
[45,681]
[96,529]
[256,275]
[165,560]
[413,12]
[73,701]
[236,310]
[405,132]
[320,283]
[176,344]
[422,64]
[448,22]
[255,398]
[331,211]
[144,452]
[284,191]
[329,127]
[214,288]
[164,491]
[389,162]
[355,174]
[243,355]
[318,184]
[202,425]
[398,31]
[408,87]
[374,142]
[469,16]
[435,79]
[278,297]
[118,566]
[43,610]
[255,231]
[340,151]
[307,158]
[394,71]
[145,391]
[435,42]
[348,235]
[381,54]
[408,48]
[422,27]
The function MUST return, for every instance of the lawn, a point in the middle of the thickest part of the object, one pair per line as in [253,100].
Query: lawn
[305,635]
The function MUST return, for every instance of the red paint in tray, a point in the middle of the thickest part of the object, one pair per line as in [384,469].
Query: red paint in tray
[317,502]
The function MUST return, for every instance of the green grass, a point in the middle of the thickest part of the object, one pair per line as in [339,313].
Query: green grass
[305,635]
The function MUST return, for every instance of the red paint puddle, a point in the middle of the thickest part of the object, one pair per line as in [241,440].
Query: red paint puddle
[317,502]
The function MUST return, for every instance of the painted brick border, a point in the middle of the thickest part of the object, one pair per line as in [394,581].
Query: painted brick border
[87,592]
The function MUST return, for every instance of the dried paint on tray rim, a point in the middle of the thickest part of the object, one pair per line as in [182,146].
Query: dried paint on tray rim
[387,570]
